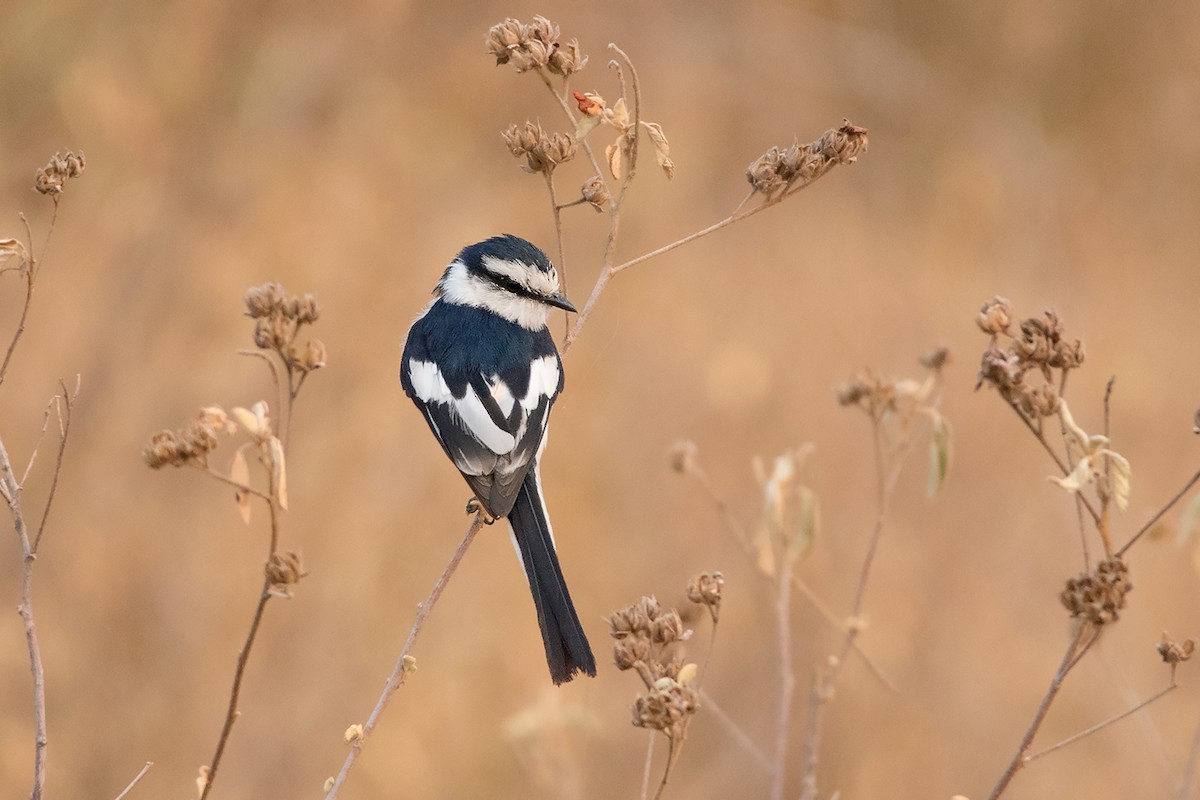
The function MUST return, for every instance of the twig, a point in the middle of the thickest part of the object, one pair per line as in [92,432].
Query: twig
[739,735]
[231,712]
[1159,514]
[787,677]
[646,768]
[1101,725]
[135,780]
[1075,650]
[64,428]
[1187,784]
[1066,470]
[25,609]
[395,680]
[30,274]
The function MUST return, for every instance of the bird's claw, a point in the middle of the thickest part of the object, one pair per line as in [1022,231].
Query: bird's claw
[476,507]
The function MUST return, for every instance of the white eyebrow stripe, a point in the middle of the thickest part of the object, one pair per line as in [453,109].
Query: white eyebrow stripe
[530,277]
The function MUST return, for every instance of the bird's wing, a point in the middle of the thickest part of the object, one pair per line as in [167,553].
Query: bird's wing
[491,434]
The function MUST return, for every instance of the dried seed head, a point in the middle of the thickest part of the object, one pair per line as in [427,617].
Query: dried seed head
[542,151]
[868,391]
[262,301]
[163,450]
[935,359]
[567,59]
[594,192]
[283,571]
[1099,596]
[532,46]
[1174,652]
[995,316]
[667,708]
[503,39]
[1040,401]
[705,589]
[314,355]
[778,168]
[52,178]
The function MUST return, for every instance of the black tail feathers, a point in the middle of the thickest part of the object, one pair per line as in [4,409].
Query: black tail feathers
[567,649]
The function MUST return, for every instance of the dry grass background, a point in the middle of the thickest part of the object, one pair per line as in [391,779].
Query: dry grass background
[1041,151]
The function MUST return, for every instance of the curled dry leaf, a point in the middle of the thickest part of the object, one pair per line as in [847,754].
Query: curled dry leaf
[13,248]
[662,149]
[279,471]
[239,473]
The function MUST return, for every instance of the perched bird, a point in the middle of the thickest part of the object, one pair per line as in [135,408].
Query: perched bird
[481,366]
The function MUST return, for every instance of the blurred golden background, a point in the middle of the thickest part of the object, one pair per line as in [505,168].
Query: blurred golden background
[1045,152]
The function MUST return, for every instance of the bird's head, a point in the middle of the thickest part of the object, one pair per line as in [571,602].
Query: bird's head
[507,276]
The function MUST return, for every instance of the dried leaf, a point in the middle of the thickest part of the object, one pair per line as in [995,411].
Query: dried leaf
[239,472]
[613,154]
[1080,477]
[807,524]
[619,115]
[279,471]
[662,150]
[1119,475]
[585,126]
[687,673]
[10,248]
[246,419]
[939,454]
[1188,520]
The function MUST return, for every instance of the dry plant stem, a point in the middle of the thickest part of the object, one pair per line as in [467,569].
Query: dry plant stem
[1064,468]
[64,428]
[231,713]
[1102,725]
[646,768]
[787,677]
[738,531]
[556,212]
[25,609]
[135,780]
[1187,784]
[1080,643]
[12,493]
[396,679]
[570,115]
[673,747]
[30,276]
[1159,514]
[823,683]
[739,735]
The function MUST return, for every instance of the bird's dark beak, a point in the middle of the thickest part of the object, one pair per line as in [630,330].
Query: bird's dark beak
[558,301]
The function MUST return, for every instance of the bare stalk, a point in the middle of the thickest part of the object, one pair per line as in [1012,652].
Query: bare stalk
[1080,643]
[30,273]
[787,676]
[231,711]
[1159,514]
[135,780]
[1102,725]
[396,679]
[739,735]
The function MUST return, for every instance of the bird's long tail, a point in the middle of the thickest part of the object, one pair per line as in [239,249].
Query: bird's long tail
[567,649]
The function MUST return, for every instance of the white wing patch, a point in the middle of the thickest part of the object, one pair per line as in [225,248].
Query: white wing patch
[543,382]
[501,394]
[476,419]
[428,382]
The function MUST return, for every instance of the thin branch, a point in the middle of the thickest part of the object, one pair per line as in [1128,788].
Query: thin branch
[25,609]
[135,780]
[1101,725]
[1066,470]
[739,735]
[646,767]
[570,115]
[241,487]
[64,429]
[400,671]
[556,212]
[787,677]
[1159,514]
[1076,648]
[231,711]
[30,273]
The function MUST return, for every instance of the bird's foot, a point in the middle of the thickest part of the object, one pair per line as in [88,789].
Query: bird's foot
[476,507]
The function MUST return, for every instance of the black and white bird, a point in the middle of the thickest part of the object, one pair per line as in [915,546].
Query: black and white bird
[481,366]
